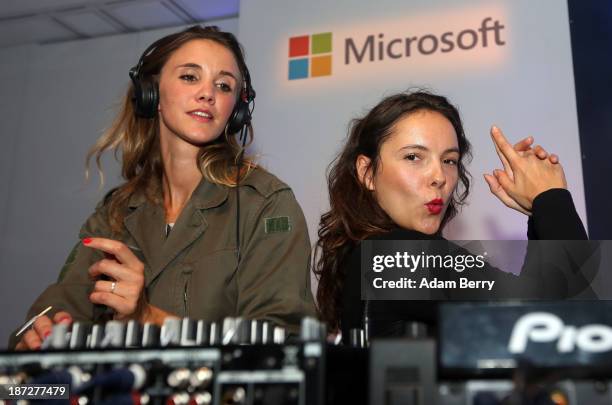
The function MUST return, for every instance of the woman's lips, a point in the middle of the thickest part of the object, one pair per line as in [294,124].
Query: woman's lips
[201,115]
[435,206]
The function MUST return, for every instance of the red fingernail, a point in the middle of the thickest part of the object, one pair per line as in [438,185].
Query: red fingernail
[86,241]
[46,334]
[64,319]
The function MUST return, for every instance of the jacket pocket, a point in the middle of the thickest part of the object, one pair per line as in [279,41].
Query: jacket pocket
[211,287]
[186,278]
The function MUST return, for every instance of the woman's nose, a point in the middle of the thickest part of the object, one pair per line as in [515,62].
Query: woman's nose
[206,93]
[438,178]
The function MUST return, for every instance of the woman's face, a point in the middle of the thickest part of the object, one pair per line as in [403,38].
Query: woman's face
[417,171]
[198,87]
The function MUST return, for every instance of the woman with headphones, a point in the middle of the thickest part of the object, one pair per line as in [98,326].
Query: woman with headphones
[197,229]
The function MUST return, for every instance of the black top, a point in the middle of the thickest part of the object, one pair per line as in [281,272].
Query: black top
[554,217]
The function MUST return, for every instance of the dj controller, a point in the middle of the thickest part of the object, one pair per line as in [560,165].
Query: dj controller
[483,354]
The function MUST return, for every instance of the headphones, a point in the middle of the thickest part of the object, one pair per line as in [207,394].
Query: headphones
[146,93]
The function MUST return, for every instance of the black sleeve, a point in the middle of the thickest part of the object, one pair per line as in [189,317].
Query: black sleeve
[566,268]
[386,318]
[554,217]
[352,306]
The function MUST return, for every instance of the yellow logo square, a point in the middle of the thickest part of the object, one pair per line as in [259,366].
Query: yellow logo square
[321,66]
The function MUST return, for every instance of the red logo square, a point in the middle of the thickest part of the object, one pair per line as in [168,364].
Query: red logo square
[298,46]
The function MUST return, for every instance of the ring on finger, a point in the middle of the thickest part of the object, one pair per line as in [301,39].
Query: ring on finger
[113,287]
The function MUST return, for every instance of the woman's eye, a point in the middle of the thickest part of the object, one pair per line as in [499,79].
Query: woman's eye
[188,78]
[224,87]
[411,156]
[452,162]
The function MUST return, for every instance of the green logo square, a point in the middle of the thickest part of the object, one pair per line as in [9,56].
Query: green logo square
[322,43]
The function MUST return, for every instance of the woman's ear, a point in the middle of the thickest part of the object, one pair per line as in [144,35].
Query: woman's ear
[364,171]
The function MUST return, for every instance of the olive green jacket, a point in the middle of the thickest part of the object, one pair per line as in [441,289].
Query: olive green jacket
[195,271]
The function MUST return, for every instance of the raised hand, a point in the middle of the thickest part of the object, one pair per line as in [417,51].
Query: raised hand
[526,173]
[523,148]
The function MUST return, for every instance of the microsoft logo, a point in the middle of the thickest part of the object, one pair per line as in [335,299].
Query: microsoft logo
[310,56]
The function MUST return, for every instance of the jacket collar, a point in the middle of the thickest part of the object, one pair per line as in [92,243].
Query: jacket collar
[146,223]
[206,195]
[209,195]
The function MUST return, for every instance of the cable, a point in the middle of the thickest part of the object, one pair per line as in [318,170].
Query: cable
[243,137]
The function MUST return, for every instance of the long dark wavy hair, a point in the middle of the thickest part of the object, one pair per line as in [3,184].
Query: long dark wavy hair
[354,213]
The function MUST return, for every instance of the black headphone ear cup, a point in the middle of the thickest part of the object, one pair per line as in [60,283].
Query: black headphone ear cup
[241,116]
[147,99]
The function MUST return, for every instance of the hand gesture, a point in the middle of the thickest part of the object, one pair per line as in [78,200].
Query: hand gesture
[122,288]
[527,172]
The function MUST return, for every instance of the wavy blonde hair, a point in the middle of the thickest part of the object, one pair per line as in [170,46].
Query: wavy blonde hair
[138,138]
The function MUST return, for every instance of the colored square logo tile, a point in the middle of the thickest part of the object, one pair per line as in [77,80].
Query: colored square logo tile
[298,46]
[322,43]
[298,69]
[321,65]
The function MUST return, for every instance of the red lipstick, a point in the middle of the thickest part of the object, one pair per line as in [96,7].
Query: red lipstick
[435,206]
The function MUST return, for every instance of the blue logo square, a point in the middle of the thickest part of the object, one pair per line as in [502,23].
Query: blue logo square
[298,69]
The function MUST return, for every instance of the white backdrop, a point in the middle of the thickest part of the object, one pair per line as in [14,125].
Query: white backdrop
[522,81]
